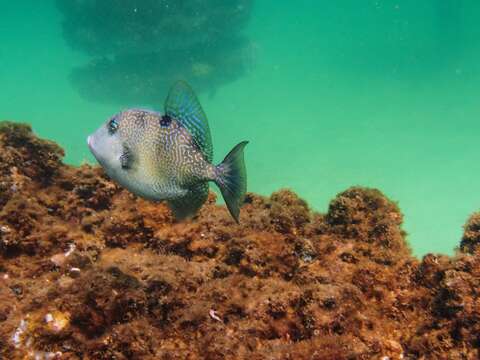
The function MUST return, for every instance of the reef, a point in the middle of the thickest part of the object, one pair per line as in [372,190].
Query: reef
[89,271]
[138,48]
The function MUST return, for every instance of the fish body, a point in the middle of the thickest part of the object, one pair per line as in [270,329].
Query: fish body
[168,156]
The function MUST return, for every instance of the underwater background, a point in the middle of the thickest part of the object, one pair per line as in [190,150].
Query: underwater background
[330,94]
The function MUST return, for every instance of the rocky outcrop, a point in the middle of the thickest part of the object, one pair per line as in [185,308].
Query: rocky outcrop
[89,271]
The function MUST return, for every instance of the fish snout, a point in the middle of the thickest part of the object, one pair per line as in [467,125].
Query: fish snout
[90,141]
[91,144]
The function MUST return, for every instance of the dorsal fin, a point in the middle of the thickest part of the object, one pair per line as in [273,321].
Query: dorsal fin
[182,104]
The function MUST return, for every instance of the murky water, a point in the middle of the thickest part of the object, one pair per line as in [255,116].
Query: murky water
[330,94]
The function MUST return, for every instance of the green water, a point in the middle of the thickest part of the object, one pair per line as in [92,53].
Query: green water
[374,93]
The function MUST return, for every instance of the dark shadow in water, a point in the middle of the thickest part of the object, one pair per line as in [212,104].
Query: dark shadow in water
[141,78]
[138,48]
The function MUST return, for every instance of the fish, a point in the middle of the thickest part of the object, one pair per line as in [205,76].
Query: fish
[169,156]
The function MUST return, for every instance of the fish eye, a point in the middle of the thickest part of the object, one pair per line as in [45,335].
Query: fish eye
[165,121]
[112,126]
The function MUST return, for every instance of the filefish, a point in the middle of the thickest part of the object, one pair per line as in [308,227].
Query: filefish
[168,156]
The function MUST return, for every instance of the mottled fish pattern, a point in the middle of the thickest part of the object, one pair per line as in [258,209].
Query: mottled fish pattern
[169,156]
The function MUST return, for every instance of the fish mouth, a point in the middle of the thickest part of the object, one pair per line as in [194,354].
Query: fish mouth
[91,145]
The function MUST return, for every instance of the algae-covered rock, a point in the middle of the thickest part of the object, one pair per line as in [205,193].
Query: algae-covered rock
[89,271]
[471,235]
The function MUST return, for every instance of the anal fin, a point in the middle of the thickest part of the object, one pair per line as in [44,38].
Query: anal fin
[189,204]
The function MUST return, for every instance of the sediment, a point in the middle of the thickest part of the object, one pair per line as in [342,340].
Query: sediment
[89,271]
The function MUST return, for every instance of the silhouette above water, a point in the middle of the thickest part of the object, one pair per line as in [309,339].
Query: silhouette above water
[139,48]
[145,77]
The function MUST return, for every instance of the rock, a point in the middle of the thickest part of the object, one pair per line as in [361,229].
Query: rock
[94,272]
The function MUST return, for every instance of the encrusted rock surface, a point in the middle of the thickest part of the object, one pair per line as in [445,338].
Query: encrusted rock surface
[89,271]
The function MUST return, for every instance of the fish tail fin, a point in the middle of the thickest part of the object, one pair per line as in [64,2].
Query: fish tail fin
[231,178]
